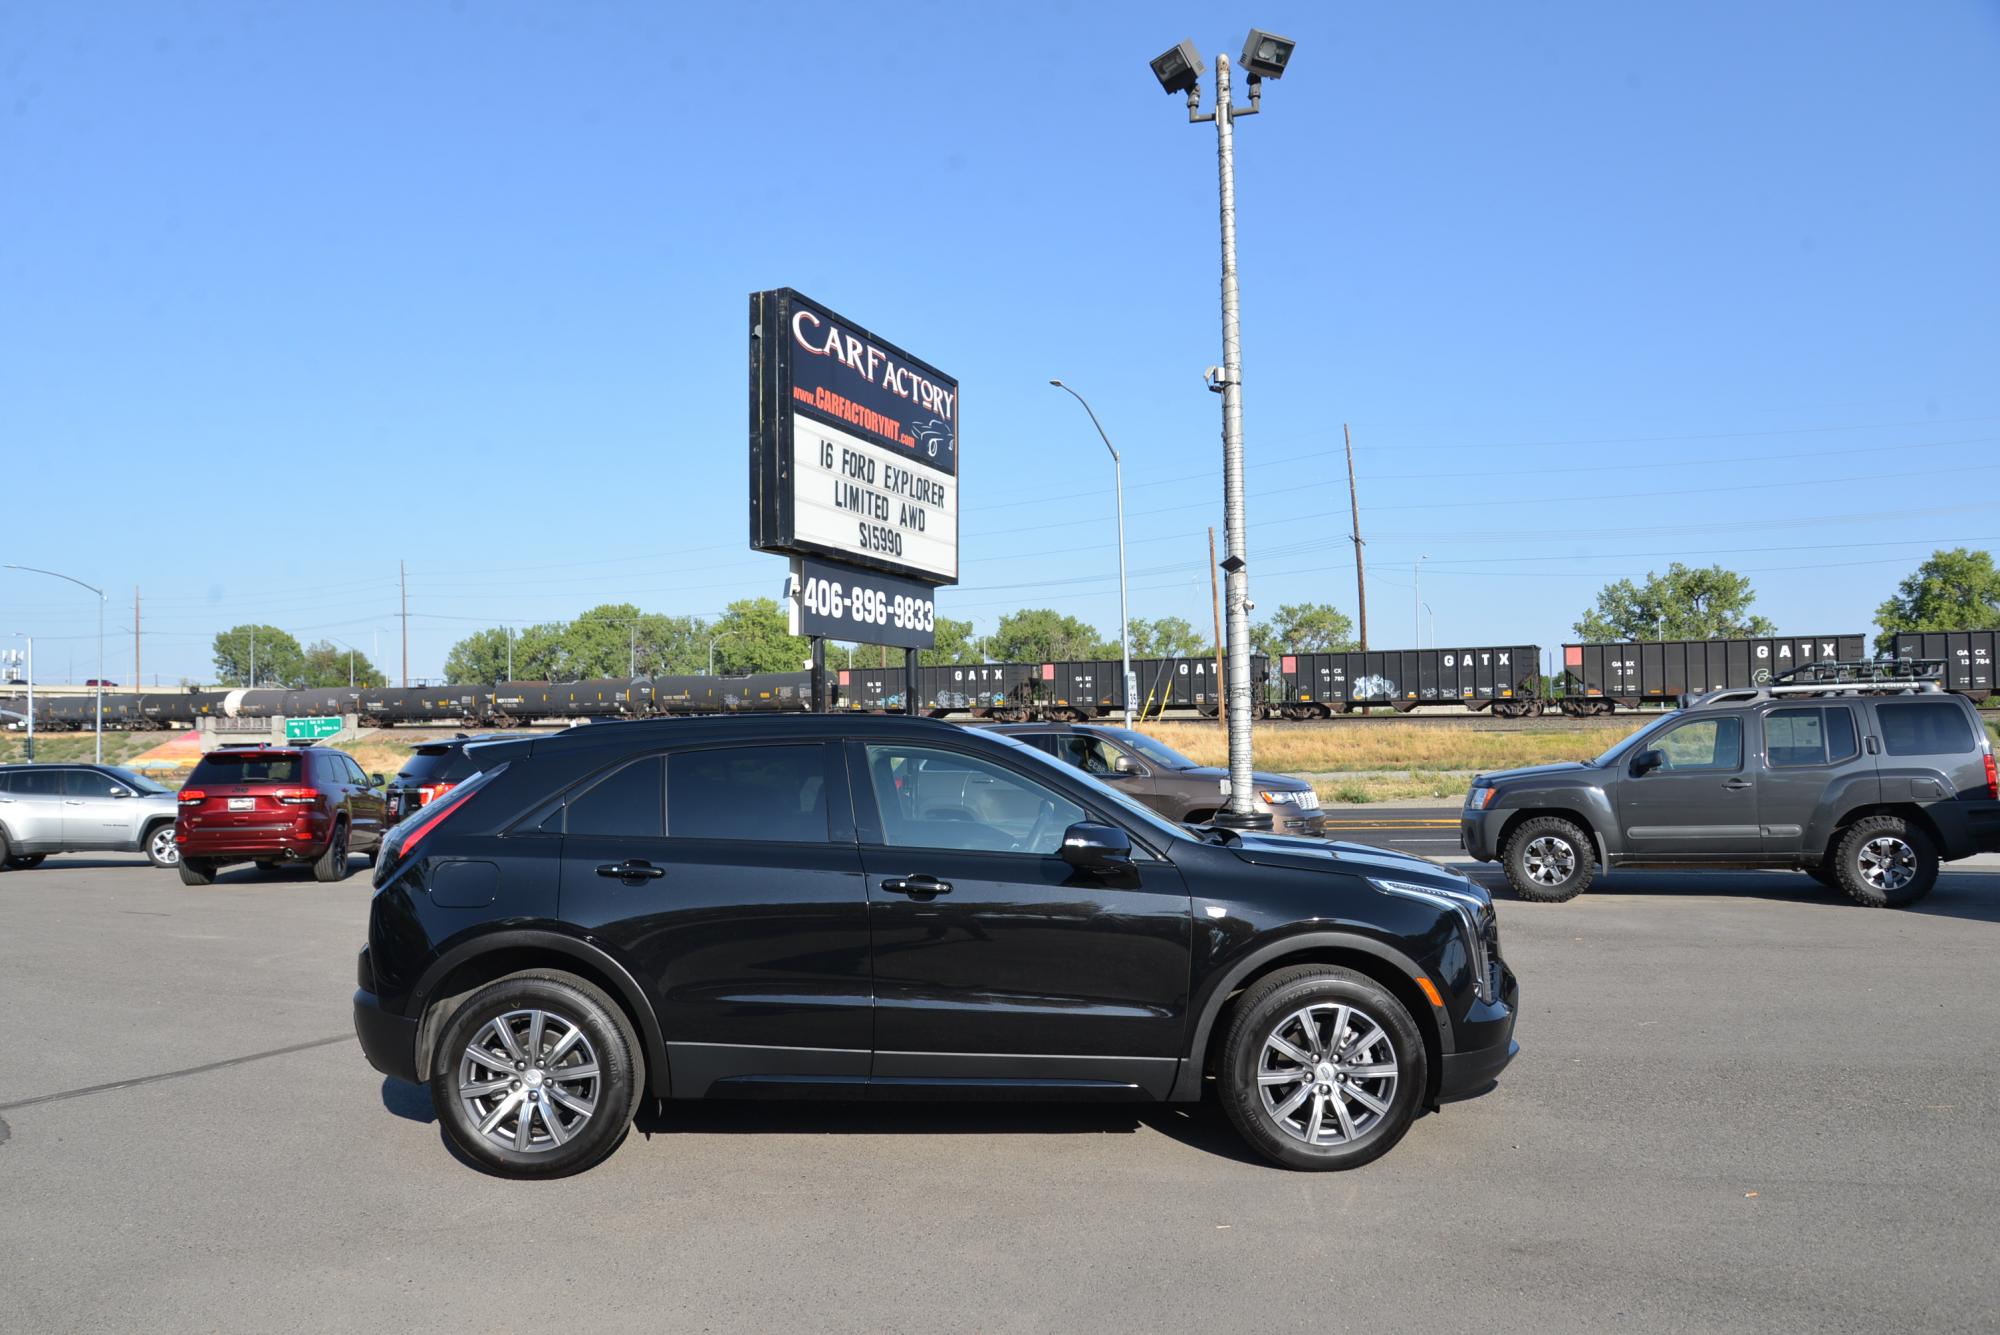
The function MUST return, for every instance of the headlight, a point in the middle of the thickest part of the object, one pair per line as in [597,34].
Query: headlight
[1307,800]
[1476,799]
[1469,909]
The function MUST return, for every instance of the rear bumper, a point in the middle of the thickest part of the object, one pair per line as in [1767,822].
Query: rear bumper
[264,841]
[388,1040]
[1967,827]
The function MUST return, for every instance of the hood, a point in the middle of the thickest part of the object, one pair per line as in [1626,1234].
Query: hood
[1281,783]
[1529,772]
[1355,859]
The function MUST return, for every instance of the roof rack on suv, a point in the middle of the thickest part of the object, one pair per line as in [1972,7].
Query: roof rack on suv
[1866,677]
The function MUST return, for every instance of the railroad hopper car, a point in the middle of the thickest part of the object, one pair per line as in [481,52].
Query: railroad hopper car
[1505,679]
[1967,655]
[1092,688]
[1598,678]
[1004,691]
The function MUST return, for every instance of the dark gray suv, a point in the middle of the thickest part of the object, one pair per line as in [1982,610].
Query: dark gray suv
[1866,792]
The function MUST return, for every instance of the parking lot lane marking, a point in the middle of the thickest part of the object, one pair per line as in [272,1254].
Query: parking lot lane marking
[173,1075]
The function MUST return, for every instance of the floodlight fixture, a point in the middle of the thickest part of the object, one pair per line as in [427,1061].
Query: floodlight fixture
[1265,54]
[1179,69]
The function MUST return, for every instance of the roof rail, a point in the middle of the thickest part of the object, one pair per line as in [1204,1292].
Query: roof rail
[1887,676]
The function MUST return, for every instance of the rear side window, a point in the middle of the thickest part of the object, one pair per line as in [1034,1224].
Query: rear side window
[1924,728]
[37,783]
[1808,736]
[245,767]
[626,803]
[749,793]
[427,764]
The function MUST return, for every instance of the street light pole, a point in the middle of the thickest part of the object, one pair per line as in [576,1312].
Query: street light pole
[31,693]
[1118,482]
[1417,598]
[711,649]
[55,574]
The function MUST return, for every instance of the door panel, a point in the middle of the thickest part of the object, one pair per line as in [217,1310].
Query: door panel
[32,809]
[1806,748]
[751,929]
[92,817]
[1026,970]
[1701,804]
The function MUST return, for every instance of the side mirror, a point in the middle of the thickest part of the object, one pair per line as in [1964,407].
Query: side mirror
[1647,761]
[1095,847]
[377,780]
[121,792]
[1124,765]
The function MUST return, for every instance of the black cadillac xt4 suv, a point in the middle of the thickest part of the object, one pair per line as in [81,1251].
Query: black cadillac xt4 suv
[890,908]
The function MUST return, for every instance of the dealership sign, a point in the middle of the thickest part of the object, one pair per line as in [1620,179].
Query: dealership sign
[853,444]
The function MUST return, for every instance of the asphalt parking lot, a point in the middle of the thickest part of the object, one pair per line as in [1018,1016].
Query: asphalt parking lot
[1740,1104]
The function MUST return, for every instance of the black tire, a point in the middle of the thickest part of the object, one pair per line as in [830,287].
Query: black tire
[331,865]
[1874,851]
[161,852]
[197,871]
[6,862]
[1541,848]
[613,1095]
[1270,1012]
[26,861]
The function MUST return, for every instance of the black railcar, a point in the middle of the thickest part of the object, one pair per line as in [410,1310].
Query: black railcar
[1967,655]
[1598,678]
[1503,678]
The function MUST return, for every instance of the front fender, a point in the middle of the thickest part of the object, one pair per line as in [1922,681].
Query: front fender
[1595,805]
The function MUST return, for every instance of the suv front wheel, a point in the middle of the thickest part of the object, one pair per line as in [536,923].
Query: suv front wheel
[1322,1068]
[1549,860]
[1886,862]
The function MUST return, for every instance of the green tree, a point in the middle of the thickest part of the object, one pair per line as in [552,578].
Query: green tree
[278,658]
[1168,637]
[1954,590]
[754,635]
[482,657]
[1304,628]
[1042,635]
[954,645]
[330,664]
[1686,603]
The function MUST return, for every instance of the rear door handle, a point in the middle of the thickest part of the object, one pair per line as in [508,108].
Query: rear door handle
[1737,785]
[631,870]
[917,887]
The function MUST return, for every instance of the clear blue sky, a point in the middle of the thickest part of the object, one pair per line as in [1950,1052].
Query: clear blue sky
[1598,287]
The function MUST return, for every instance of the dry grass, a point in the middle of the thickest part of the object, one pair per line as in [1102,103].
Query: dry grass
[1392,746]
[376,756]
[119,747]
[1389,788]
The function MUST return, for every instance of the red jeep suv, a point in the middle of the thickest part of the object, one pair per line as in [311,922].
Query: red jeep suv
[275,805]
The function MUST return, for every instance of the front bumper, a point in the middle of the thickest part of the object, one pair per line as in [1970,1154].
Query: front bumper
[1479,834]
[1485,1043]
[388,1040]
[1288,819]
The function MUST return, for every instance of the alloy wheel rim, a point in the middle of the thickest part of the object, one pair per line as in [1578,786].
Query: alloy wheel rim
[165,850]
[529,1080]
[1887,863]
[1327,1074]
[1549,860]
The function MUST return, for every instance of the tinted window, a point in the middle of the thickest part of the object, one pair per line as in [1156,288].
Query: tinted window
[941,799]
[138,783]
[6,782]
[627,802]
[223,767]
[748,793]
[87,783]
[1709,743]
[1092,755]
[1840,740]
[427,764]
[37,783]
[1924,728]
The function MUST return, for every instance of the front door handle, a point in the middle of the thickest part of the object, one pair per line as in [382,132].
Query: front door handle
[1737,785]
[631,870]
[917,887]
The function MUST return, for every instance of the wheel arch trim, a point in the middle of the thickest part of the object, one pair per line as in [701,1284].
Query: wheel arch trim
[1276,954]
[624,987]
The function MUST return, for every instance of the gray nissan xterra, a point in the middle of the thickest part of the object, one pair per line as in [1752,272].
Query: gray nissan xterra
[1864,790]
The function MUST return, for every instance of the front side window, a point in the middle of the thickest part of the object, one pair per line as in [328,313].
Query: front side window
[927,798]
[626,803]
[87,783]
[1704,744]
[1092,755]
[749,793]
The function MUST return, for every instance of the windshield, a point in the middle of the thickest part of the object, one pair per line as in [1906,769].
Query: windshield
[1137,811]
[1156,751]
[1618,748]
[138,783]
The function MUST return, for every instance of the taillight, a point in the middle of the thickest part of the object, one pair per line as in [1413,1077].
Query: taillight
[295,797]
[194,797]
[431,792]
[1992,778]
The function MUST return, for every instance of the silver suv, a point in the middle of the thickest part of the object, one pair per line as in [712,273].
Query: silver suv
[48,809]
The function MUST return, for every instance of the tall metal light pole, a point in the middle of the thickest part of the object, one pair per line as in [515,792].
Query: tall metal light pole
[711,649]
[31,693]
[1265,55]
[1417,598]
[55,574]
[1118,482]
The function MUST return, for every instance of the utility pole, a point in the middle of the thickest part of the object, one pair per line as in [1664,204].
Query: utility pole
[1129,683]
[138,680]
[403,585]
[1215,599]
[510,653]
[1417,599]
[632,651]
[1354,501]
[253,656]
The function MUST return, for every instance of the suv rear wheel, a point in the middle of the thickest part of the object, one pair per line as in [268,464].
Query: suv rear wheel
[1886,862]
[332,864]
[197,871]
[1322,1068]
[534,1077]
[1548,859]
